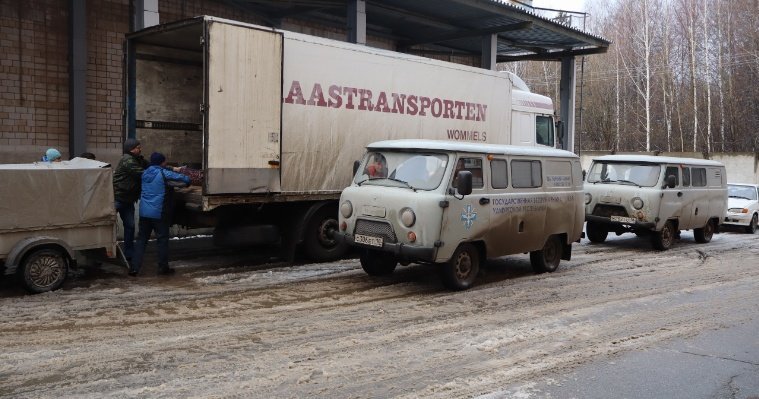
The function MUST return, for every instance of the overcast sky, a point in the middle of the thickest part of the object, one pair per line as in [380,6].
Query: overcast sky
[569,5]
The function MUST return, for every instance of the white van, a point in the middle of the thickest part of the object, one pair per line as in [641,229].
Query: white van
[656,196]
[456,204]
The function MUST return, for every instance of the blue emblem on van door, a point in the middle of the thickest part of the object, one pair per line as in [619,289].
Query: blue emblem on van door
[468,216]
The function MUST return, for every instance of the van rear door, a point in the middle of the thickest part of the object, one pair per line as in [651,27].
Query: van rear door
[243,102]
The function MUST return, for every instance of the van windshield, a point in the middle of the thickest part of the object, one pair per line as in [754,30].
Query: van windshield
[632,173]
[402,169]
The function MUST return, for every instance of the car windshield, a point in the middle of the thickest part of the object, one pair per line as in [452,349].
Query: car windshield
[640,174]
[402,169]
[745,192]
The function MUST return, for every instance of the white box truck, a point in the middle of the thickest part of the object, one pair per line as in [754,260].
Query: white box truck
[276,119]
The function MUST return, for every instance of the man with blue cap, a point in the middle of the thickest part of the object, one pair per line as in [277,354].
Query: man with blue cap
[156,204]
[126,189]
[52,155]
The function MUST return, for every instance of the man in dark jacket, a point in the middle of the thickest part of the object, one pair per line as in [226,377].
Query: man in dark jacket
[156,203]
[126,189]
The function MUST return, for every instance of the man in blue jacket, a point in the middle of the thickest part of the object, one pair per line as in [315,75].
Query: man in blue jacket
[156,202]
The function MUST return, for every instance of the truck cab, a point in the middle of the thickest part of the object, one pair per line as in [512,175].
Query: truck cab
[457,204]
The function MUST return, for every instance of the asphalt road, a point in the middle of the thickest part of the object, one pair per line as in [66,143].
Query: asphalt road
[618,320]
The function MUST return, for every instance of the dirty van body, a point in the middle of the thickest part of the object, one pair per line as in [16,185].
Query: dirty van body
[457,204]
[275,119]
[55,216]
[654,196]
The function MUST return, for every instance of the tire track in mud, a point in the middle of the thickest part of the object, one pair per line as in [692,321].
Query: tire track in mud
[329,330]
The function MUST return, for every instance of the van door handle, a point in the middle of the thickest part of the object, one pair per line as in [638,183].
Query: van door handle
[484,201]
[679,193]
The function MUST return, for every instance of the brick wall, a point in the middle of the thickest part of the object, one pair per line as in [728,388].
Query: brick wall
[34,70]
[33,79]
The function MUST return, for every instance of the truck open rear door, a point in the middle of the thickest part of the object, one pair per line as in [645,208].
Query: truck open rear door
[242,108]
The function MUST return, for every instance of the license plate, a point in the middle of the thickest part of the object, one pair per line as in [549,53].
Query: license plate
[368,240]
[623,219]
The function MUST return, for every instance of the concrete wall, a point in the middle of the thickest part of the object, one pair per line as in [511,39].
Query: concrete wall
[741,167]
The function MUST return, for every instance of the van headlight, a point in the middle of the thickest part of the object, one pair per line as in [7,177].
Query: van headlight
[408,217]
[346,209]
[588,198]
[637,203]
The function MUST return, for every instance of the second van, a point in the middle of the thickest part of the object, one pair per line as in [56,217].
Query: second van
[654,196]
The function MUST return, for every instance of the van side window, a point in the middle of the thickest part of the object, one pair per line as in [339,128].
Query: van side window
[686,177]
[526,174]
[499,177]
[473,165]
[544,130]
[699,177]
[673,171]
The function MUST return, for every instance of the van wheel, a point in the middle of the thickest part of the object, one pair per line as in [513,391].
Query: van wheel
[548,258]
[596,232]
[704,235]
[376,263]
[43,270]
[318,243]
[460,272]
[662,240]
[751,228]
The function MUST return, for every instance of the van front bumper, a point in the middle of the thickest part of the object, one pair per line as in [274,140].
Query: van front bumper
[400,250]
[638,225]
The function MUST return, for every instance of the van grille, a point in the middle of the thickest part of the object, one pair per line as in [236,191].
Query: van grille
[609,210]
[375,229]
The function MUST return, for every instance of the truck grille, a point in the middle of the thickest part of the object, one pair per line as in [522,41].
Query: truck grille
[609,210]
[375,229]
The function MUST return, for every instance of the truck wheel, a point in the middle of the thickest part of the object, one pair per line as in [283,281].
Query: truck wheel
[460,272]
[596,232]
[376,263]
[704,235]
[318,244]
[43,270]
[548,258]
[662,240]
[751,228]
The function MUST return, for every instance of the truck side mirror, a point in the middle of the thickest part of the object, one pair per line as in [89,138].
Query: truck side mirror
[671,181]
[584,174]
[356,164]
[464,182]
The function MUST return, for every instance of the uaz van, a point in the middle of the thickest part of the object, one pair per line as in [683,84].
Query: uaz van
[656,196]
[456,204]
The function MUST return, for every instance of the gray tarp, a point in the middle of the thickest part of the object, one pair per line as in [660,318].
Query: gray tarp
[43,195]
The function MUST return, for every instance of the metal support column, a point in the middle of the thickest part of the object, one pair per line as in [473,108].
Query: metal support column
[357,21]
[489,51]
[567,112]
[77,77]
[145,14]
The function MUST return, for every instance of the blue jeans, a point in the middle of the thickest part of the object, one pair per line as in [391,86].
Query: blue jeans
[126,211]
[147,225]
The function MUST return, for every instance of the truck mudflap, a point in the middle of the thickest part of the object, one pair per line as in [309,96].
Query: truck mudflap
[399,250]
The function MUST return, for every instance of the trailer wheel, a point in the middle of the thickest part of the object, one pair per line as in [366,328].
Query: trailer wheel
[548,258]
[596,232]
[376,263]
[704,234]
[318,244]
[43,270]
[662,240]
[751,228]
[460,272]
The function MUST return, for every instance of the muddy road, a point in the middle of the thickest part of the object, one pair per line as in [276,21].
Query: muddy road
[236,325]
